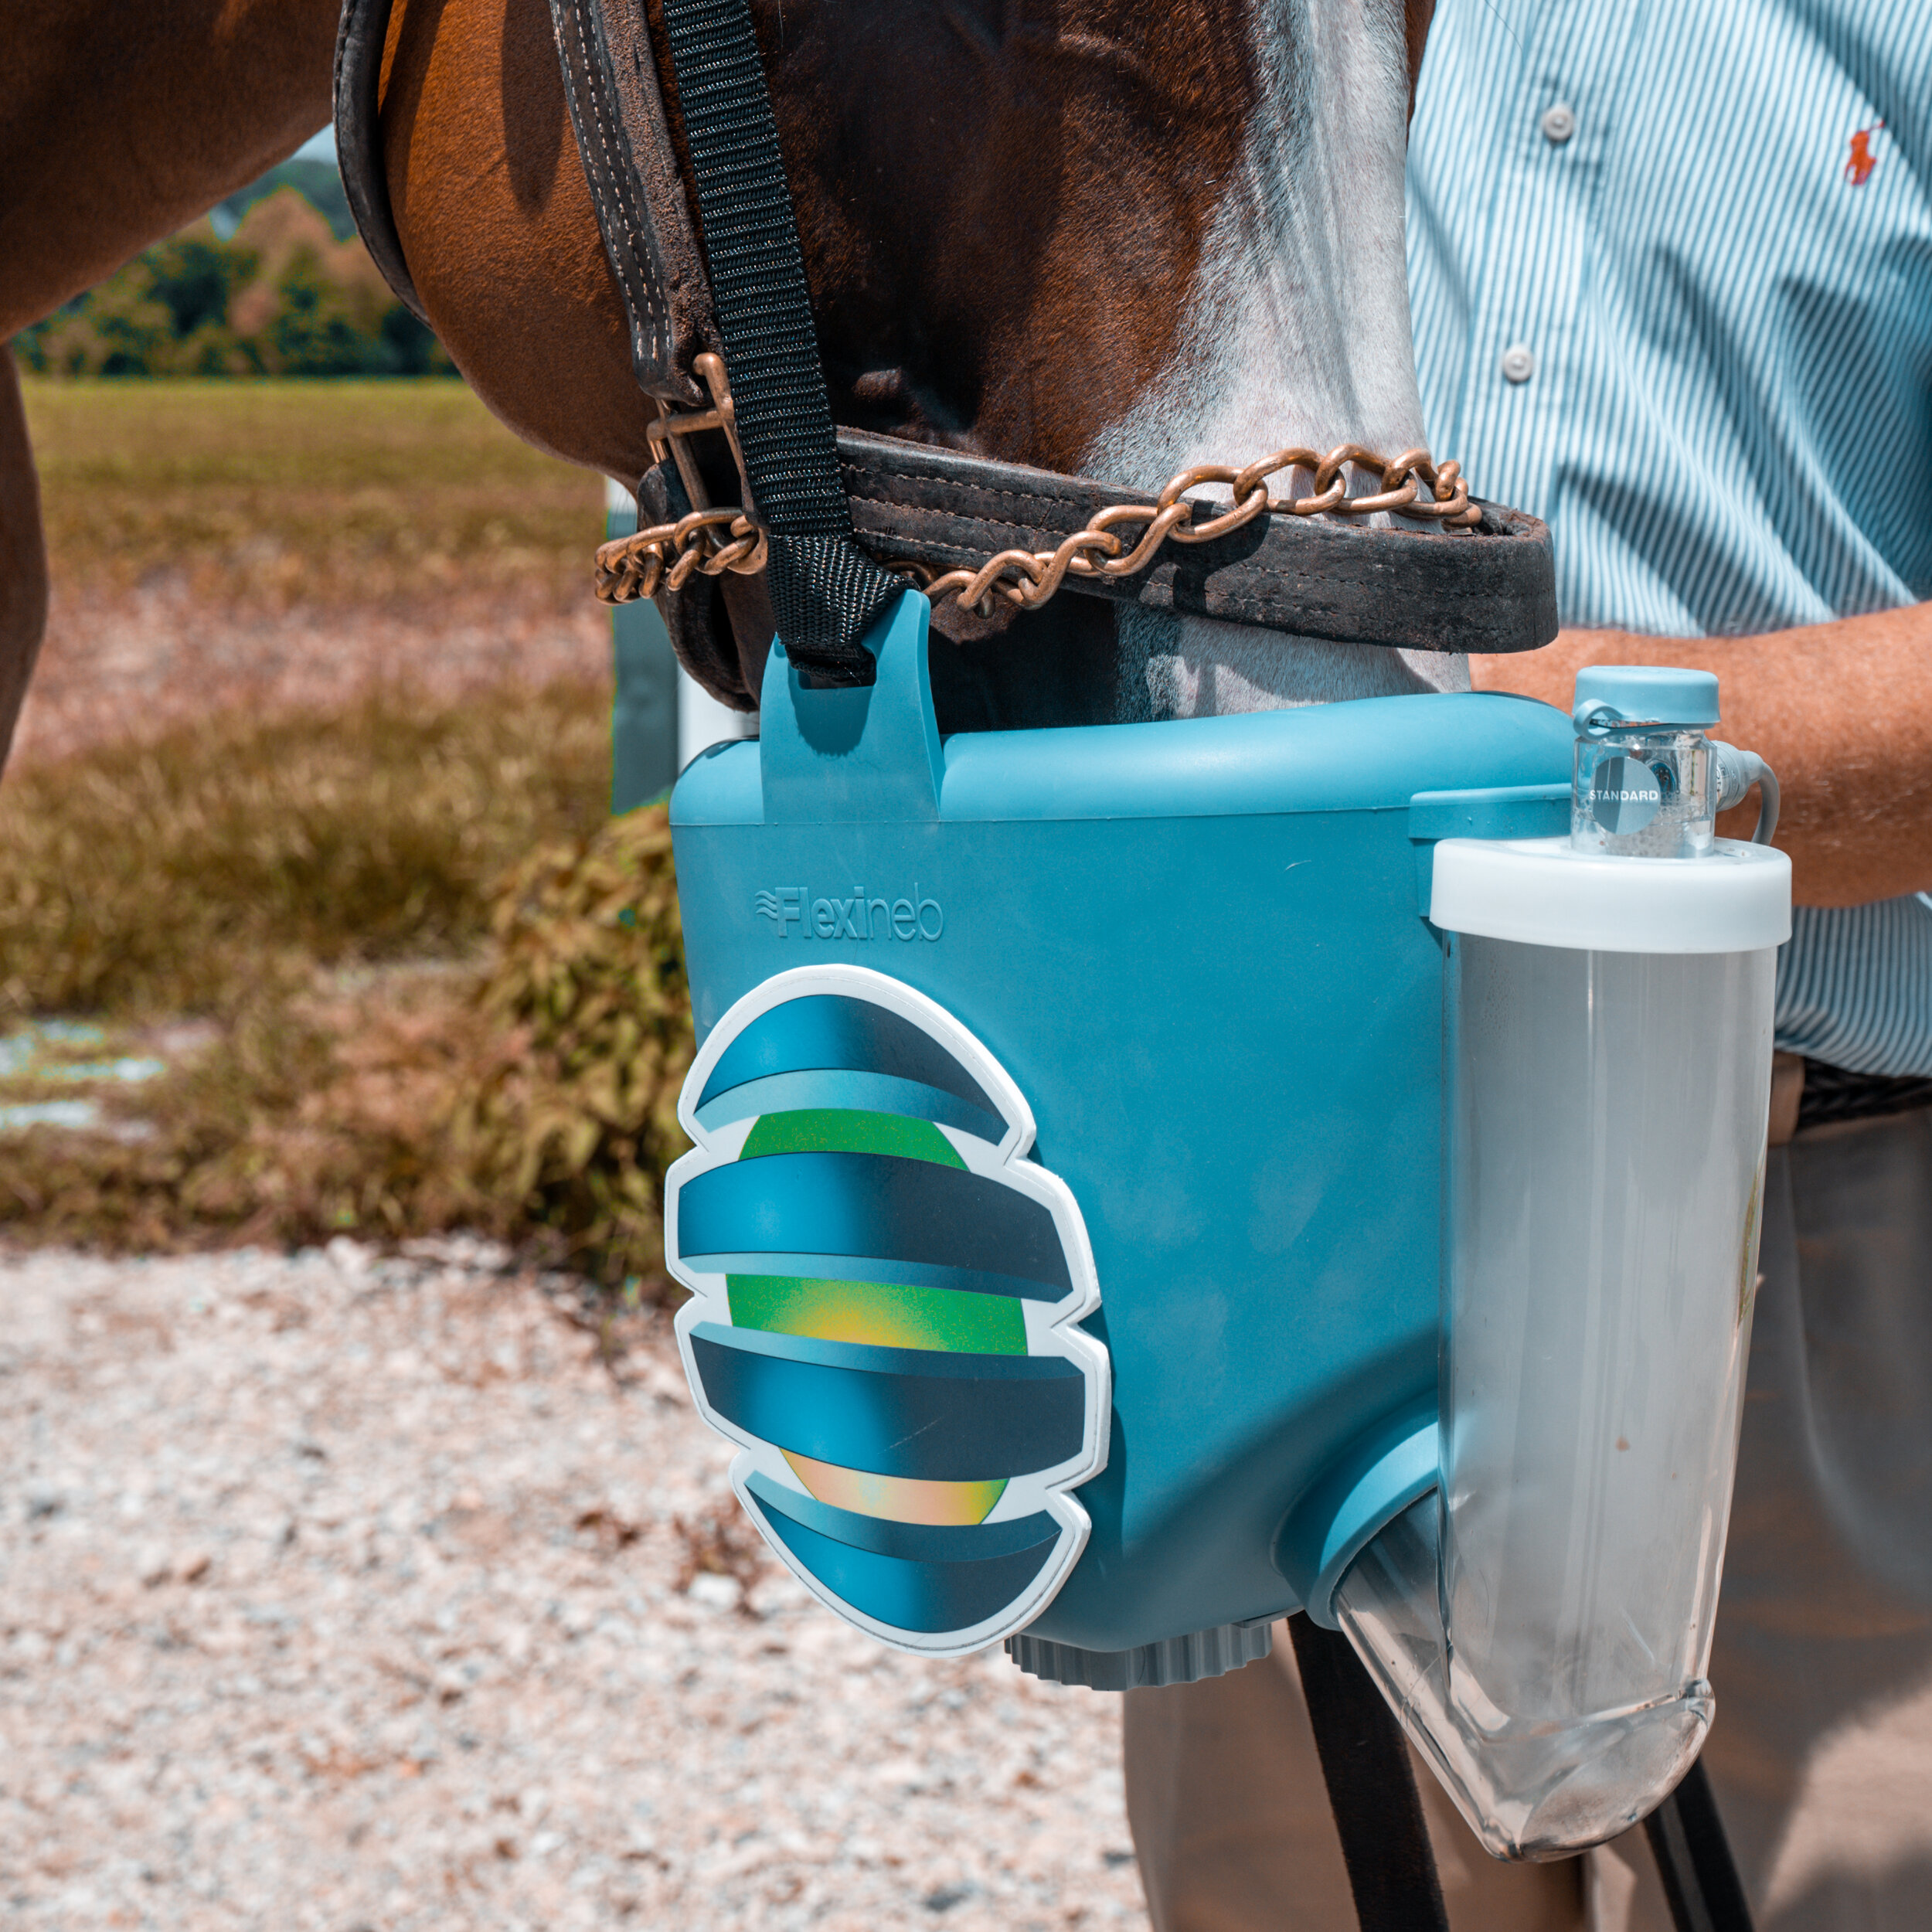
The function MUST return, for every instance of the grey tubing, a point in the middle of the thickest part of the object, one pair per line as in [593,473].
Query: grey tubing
[1736,771]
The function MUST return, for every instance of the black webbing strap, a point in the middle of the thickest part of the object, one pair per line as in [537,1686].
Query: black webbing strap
[825,589]
[1371,1787]
[1694,1860]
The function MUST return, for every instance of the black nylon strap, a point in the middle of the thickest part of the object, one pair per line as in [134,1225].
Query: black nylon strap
[1372,1789]
[1693,1855]
[825,589]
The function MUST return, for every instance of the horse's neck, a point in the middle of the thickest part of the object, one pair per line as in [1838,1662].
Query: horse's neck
[1297,331]
[119,124]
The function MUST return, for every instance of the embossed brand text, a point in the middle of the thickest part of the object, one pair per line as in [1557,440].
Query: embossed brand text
[796,914]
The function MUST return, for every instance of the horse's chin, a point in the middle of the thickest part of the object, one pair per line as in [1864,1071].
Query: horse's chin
[1295,333]
[1191,667]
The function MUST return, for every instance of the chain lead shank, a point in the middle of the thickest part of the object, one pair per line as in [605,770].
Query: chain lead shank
[1117,541]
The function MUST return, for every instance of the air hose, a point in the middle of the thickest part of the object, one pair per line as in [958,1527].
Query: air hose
[1736,772]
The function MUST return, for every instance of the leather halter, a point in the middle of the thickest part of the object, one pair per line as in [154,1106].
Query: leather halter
[1488,590]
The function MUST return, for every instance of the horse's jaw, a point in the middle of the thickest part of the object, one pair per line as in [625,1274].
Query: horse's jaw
[1296,332]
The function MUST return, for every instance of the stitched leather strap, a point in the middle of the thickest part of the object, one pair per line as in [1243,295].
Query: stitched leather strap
[610,79]
[359,42]
[610,82]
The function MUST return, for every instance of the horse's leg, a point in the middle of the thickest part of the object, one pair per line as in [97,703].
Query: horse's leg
[23,555]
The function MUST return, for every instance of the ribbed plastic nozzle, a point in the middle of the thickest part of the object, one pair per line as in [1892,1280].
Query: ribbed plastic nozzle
[1174,1660]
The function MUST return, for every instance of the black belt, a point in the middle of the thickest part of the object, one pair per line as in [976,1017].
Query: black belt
[1832,1093]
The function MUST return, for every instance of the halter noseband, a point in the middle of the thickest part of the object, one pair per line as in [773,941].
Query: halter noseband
[835,519]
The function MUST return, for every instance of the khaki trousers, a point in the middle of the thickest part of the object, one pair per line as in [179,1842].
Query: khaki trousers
[1821,1752]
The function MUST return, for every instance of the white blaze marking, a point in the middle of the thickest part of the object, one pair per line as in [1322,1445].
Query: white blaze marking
[1297,330]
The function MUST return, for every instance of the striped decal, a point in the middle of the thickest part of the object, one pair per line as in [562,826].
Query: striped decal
[914,1412]
[829,1087]
[893,1315]
[898,1498]
[915,1543]
[1726,427]
[918,1580]
[823,1213]
[885,1296]
[829,1033]
[845,1130]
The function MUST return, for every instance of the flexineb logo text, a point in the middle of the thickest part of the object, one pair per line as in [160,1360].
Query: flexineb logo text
[796,914]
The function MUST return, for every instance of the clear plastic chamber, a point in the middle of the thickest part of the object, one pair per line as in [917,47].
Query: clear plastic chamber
[1544,1621]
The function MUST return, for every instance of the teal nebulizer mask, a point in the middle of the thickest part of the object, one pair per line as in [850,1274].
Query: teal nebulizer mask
[1150,1178]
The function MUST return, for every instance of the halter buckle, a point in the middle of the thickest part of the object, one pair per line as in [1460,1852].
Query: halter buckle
[673,426]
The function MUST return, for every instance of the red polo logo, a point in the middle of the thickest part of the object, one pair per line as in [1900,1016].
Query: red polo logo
[1857,169]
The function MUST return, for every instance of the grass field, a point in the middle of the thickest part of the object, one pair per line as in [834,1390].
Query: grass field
[335,493]
[179,877]
[381,964]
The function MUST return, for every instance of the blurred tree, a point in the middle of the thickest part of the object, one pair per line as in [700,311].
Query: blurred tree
[314,330]
[281,296]
[194,275]
[131,328]
[316,181]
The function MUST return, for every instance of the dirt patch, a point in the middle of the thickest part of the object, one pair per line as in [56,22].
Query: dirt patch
[131,667]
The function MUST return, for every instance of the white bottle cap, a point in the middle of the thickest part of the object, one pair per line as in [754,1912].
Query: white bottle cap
[1542,891]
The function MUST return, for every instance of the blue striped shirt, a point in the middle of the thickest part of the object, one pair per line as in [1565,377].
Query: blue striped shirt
[1671,270]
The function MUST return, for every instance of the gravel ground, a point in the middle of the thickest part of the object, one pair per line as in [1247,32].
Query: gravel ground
[345,1593]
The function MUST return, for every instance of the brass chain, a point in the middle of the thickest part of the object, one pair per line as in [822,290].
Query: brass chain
[717,540]
[666,554]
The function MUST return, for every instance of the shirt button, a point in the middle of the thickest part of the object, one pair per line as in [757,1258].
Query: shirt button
[1518,362]
[1558,123]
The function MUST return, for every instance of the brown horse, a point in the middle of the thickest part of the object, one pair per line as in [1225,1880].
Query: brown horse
[1081,235]
[1094,237]
[118,125]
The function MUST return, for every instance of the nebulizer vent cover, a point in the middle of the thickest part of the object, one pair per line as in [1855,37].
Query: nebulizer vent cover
[1543,1623]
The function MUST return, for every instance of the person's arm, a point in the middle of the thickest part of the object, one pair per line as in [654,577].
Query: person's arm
[1843,712]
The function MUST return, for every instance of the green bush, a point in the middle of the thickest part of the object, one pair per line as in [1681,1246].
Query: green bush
[578,1126]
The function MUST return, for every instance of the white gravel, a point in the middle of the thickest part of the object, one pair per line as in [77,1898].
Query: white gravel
[344,1593]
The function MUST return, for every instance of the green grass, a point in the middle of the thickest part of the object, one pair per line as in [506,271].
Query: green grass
[437,986]
[335,493]
[176,877]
